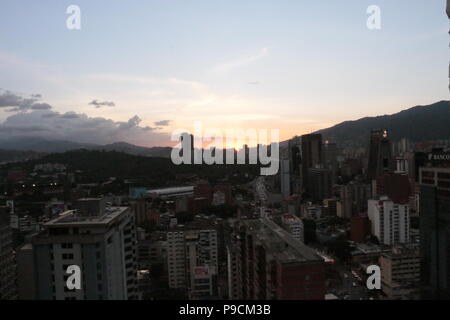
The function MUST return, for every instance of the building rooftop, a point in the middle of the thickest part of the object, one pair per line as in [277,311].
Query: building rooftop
[171,191]
[280,244]
[72,218]
[197,224]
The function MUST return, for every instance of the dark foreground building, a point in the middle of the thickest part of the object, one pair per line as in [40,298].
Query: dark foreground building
[273,265]
[435,232]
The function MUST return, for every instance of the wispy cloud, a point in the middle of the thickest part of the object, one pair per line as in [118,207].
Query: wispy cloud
[163,123]
[240,62]
[17,103]
[99,104]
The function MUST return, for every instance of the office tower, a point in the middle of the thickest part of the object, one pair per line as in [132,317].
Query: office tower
[276,266]
[394,185]
[140,208]
[353,198]
[448,14]
[320,183]
[295,163]
[380,154]
[330,157]
[8,288]
[25,273]
[346,201]
[435,231]
[285,178]
[400,272]
[234,270]
[192,257]
[233,255]
[295,155]
[389,220]
[294,226]
[401,147]
[103,245]
[311,154]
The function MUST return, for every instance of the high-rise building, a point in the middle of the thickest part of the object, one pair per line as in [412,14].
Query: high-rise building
[294,226]
[389,220]
[394,185]
[435,231]
[448,14]
[285,178]
[380,154]
[311,156]
[8,287]
[320,183]
[400,272]
[330,153]
[295,163]
[276,266]
[102,245]
[353,198]
[192,253]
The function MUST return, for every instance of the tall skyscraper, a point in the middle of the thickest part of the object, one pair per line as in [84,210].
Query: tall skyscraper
[285,177]
[435,231]
[295,162]
[380,154]
[448,14]
[389,220]
[192,253]
[330,153]
[311,155]
[8,288]
[102,243]
[320,183]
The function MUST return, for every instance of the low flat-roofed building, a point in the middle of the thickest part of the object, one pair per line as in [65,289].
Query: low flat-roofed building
[400,272]
[171,192]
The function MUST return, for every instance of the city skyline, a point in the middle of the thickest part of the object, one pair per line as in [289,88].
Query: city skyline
[136,72]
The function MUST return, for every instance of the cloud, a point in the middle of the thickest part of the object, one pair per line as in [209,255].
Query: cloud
[233,64]
[99,104]
[17,103]
[69,115]
[79,127]
[41,106]
[163,123]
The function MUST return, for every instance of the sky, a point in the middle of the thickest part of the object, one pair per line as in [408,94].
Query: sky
[138,70]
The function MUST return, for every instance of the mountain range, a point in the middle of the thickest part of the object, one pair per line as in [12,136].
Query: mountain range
[420,123]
